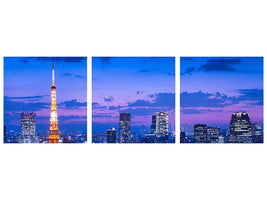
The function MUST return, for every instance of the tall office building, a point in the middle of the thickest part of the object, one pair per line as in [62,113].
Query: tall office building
[257,133]
[213,134]
[53,130]
[5,139]
[182,137]
[200,133]
[27,127]
[111,135]
[162,126]
[125,127]
[240,128]
[153,125]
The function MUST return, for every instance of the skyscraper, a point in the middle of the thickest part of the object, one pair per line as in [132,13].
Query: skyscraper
[200,133]
[5,139]
[240,128]
[162,126]
[257,133]
[27,127]
[53,131]
[182,137]
[153,125]
[213,134]
[125,127]
[111,135]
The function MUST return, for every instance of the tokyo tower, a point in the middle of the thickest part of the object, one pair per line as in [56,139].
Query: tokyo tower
[53,131]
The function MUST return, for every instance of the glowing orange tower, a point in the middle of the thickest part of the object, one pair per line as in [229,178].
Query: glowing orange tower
[53,131]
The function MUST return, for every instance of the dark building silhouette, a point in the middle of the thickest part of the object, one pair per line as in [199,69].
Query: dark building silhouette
[149,138]
[257,133]
[125,127]
[182,137]
[5,139]
[153,125]
[200,133]
[240,128]
[111,135]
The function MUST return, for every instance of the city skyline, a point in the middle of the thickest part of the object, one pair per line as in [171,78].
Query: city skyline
[140,86]
[212,88]
[27,85]
[241,130]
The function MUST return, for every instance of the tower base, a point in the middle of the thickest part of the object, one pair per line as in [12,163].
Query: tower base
[53,136]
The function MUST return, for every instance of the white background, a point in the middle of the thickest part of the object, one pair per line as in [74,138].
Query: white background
[132,28]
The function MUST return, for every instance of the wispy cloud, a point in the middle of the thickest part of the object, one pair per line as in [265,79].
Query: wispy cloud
[73,104]
[109,99]
[188,70]
[74,76]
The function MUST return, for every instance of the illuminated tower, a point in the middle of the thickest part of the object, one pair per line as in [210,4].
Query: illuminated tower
[53,131]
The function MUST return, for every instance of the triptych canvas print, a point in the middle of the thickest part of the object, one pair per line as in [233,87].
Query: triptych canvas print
[133,100]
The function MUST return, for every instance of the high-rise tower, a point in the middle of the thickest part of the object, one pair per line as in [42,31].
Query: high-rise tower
[53,131]
[27,127]
[153,125]
[162,127]
[240,128]
[200,133]
[125,127]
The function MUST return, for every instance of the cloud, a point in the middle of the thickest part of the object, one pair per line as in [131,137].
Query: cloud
[73,75]
[222,64]
[102,115]
[94,104]
[62,59]
[105,60]
[20,106]
[27,97]
[254,95]
[197,111]
[188,70]
[109,99]
[97,105]
[141,111]
[67,74]
[201,99]
[139,92]
[161,100]
[187,58]
[72,104]
[79,76]
[171,74]
[24,60]
[144,71]
[71,117]
[115,107]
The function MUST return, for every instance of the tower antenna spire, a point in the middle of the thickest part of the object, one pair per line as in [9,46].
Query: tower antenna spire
[53,74]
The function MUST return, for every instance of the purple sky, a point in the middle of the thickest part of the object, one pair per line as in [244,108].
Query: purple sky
[27,88]
[212,88]
[141,86]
